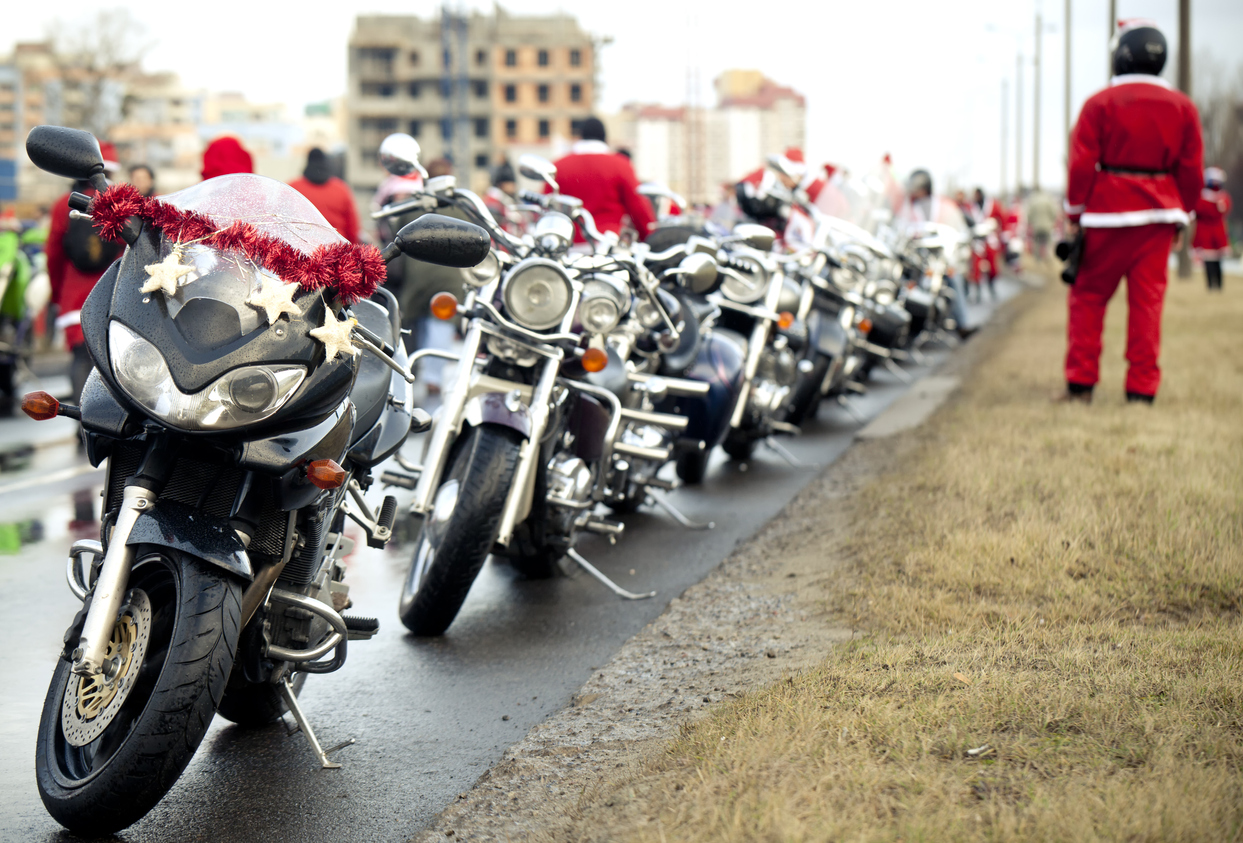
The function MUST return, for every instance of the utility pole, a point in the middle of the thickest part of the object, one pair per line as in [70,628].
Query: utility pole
[1018,125]
[1113,26]
[1184,85]
[1036,112]
[1005,141]
[1066,92]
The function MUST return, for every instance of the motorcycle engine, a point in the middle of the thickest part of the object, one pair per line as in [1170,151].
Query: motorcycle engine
[569,478]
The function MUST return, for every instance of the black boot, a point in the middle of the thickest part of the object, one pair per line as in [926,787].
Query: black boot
[1139,398]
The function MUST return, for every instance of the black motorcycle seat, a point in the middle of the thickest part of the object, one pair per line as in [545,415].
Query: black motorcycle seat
[370,390]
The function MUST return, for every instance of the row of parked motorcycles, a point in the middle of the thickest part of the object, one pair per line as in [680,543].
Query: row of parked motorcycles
[237,443]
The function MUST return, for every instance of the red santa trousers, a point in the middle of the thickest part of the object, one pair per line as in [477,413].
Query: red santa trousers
[1142,254]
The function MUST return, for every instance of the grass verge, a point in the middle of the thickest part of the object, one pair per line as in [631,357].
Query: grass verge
[1052,601]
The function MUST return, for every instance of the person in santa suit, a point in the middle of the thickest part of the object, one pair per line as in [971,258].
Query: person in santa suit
[605,182]
[225,156]
[921,207]
[1135,173]
[330,195]
[984,208]
[1211,241]
[764,194]
[77,257]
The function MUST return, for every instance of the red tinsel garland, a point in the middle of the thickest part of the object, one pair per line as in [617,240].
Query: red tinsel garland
[352,272]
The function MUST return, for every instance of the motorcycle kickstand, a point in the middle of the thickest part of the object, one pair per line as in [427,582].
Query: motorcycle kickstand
[898,372]
[305,726]
[612,586]
[846,405]
[678,515]
[781,451]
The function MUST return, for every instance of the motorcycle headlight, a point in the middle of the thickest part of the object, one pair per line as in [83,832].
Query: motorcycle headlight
[239,397]
[537,294]
[604,302]
[484,273]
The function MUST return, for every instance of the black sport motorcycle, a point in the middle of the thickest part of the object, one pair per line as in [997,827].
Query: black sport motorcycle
[239,423]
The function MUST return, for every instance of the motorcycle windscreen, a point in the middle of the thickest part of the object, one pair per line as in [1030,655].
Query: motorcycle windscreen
[217,283]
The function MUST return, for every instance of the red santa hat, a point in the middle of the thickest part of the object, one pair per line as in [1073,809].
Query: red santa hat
[795,162]
[224,156]
[1135,23]
[112,162]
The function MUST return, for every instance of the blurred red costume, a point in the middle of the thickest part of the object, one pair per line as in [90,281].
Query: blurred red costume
[225,156]
[606,183]
[1136,170]
[1211,241]
[335,201]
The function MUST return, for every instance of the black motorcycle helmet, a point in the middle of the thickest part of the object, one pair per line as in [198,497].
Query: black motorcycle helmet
[1139,49]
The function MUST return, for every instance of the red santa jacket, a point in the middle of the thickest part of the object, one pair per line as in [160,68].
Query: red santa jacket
[1211,212]
[70,285]
[335,201]
[606,183]
[1136,156]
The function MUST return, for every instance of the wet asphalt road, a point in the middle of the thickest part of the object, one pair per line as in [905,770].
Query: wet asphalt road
[429,716]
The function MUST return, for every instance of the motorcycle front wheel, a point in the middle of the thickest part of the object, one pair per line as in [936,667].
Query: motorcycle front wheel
[459,531]
[107,752]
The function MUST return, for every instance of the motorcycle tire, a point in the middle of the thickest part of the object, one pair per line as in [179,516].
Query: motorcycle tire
[543,564]
[192,623]
[739,448]
[252,704]
[692,466]
[459,531]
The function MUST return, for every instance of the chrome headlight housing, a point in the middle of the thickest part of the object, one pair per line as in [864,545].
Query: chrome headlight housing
[748,285]
[239,397]
[605,300]
[537,294]
[483,273]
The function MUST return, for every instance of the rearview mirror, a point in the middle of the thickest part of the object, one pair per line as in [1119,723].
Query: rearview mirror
[655,190]
[781,164]
[399,154]
[70,153]
[445,241]
[698,272]
[538,168]
[759,237]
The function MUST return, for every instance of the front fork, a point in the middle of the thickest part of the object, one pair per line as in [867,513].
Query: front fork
[88,658]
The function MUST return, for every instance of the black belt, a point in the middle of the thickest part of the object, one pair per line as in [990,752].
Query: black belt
[1126,171]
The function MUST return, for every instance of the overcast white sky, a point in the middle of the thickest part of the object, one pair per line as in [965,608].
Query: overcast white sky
[919,79]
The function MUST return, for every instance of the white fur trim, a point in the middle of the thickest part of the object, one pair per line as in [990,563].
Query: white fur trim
[73,317]
[1127,219]
[1144,78]
[590,147]
[1072,209]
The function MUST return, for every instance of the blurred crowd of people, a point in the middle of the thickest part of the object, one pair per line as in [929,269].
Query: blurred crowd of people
[49,266]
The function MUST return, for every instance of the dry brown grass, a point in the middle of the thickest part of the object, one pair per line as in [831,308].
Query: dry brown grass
[1052,596]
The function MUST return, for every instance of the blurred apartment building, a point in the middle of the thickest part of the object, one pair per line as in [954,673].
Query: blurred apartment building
[696,150]
[473,88]
[152,118]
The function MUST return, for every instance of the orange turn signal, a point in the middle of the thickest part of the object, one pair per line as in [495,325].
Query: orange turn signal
[595,359]
[325,474]
[40,406]
[865,326]
[444,306]
[785,319]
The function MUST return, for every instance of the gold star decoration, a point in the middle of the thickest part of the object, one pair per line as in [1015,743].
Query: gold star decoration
[335,335]
[165,274]
[274,298]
